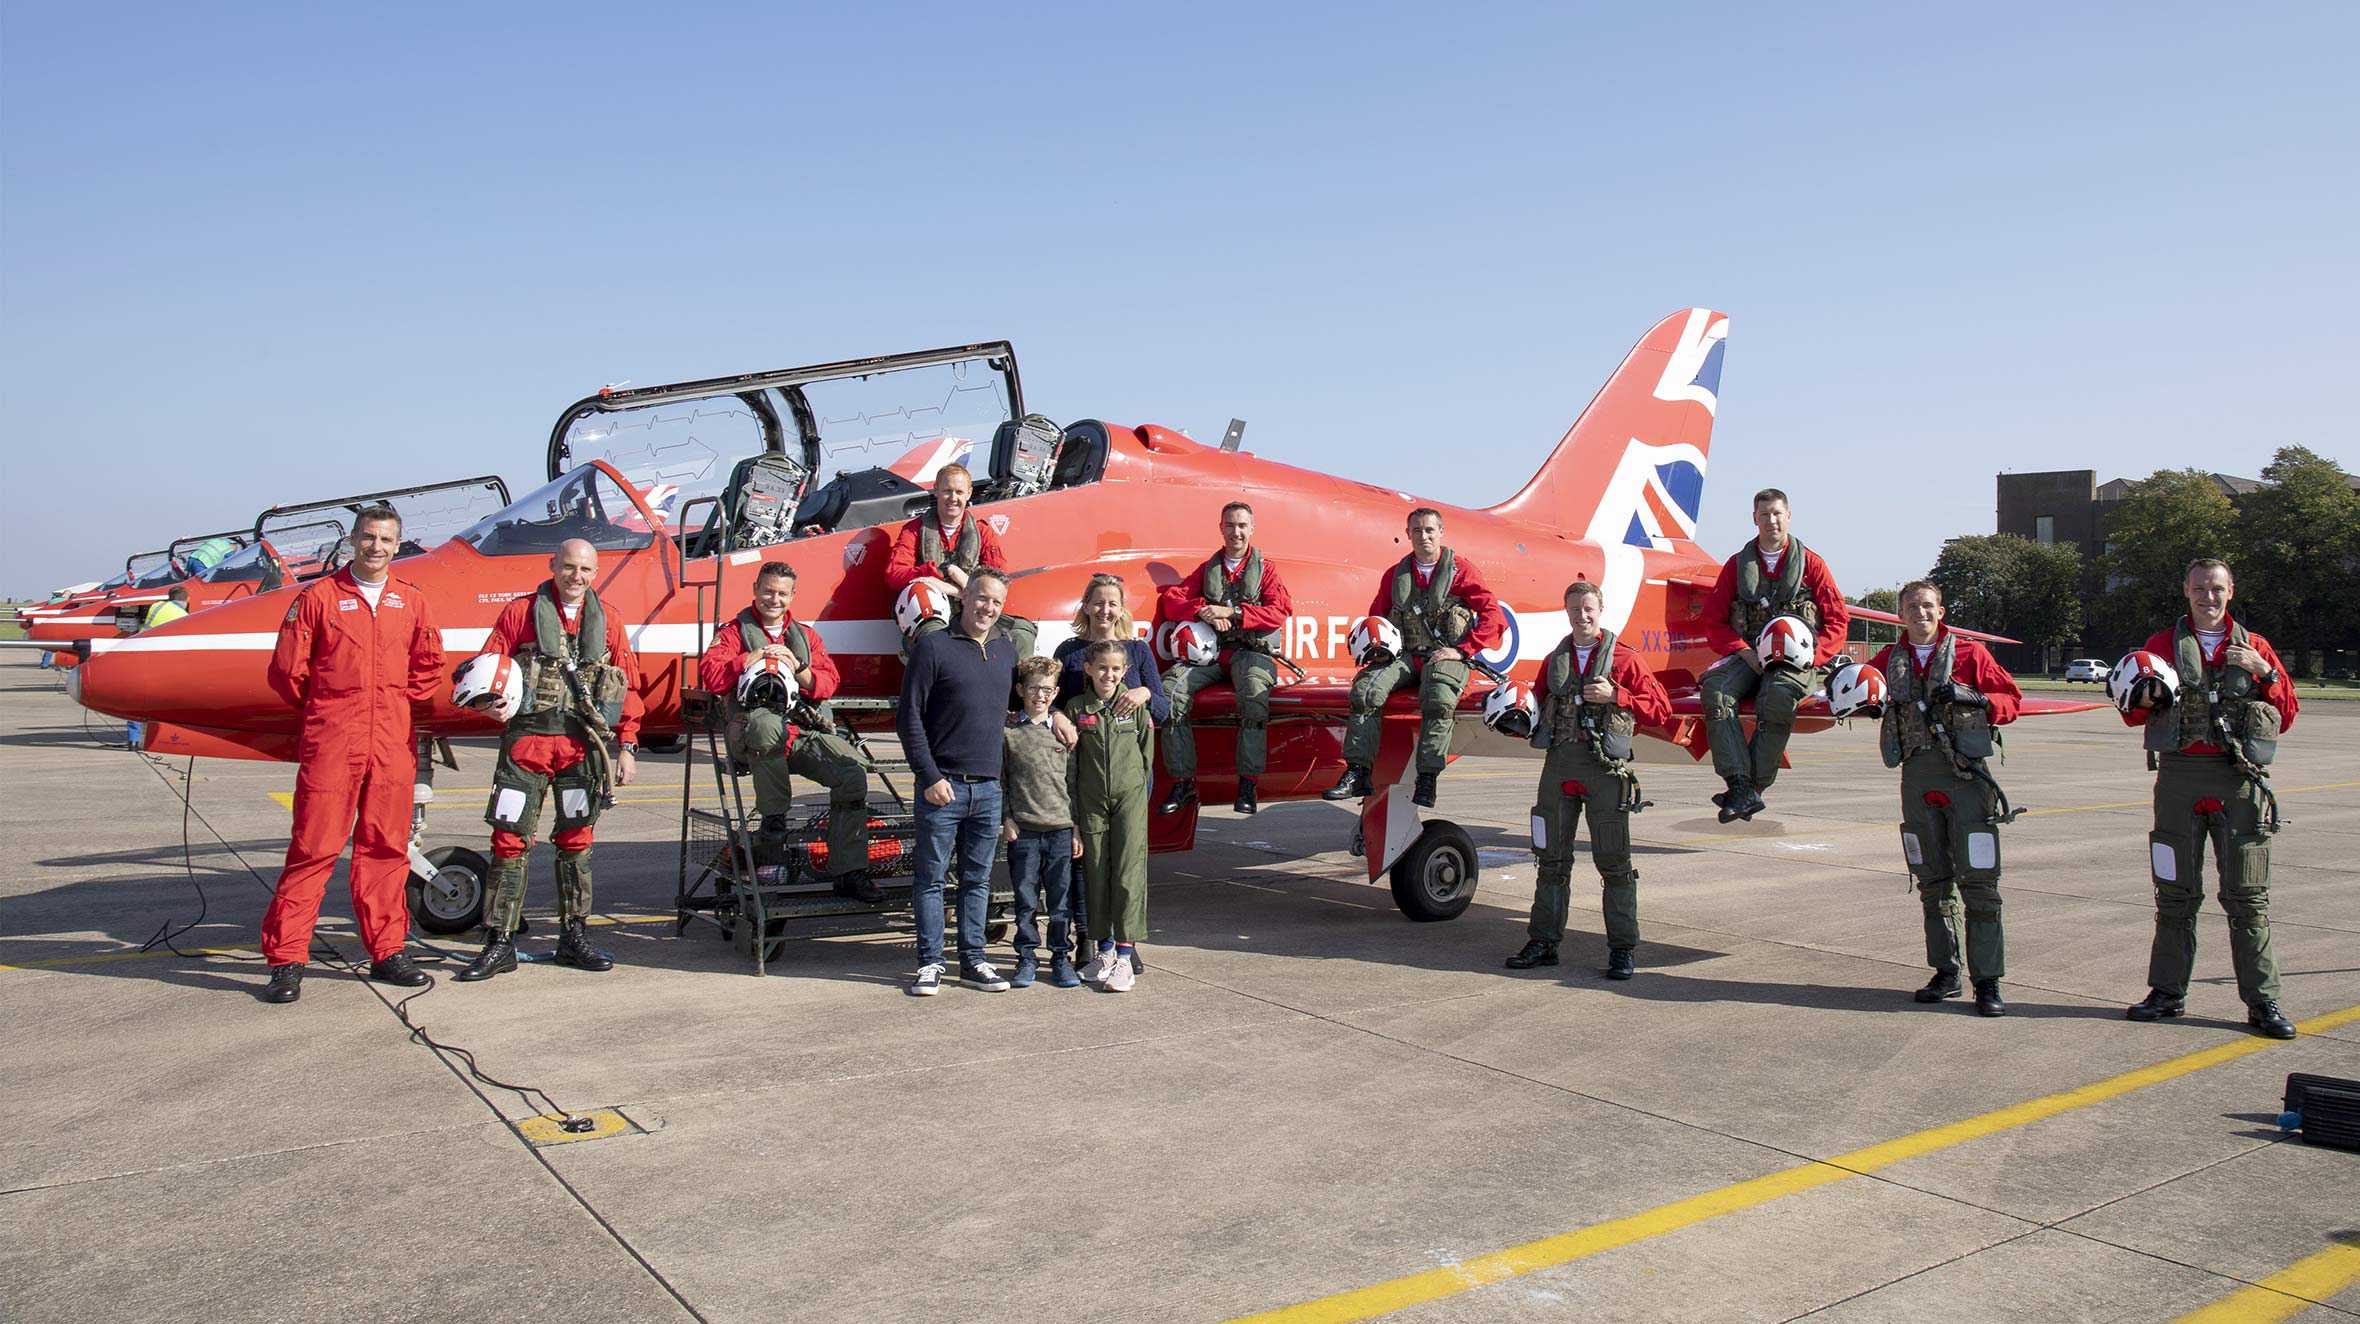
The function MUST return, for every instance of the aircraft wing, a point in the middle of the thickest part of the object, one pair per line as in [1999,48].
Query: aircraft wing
[1859,612]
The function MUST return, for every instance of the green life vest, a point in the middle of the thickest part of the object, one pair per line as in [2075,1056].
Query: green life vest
[1247,592]
[1607,728]
[1758,598]
[550,706]
[2215,706]
[1911,723]
[1430,618]
[931,547]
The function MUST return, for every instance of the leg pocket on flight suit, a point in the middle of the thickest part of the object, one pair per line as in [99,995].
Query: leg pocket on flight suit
[1540,831]
[1982,855]
[2253,862]
[1913,852]
[577,796]
[2167,859]
[515,805]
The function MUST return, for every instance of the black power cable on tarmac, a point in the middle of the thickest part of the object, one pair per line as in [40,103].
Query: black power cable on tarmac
[330,954]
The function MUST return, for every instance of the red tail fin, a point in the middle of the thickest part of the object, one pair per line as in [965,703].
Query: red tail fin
[1663,399]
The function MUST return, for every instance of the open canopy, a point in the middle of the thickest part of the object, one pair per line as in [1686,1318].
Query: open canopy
[309,538]
[587,504]
[679,442]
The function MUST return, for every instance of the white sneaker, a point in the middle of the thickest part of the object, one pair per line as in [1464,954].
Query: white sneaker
[1096,971]
[982,975]
[927,982]
[1122,976]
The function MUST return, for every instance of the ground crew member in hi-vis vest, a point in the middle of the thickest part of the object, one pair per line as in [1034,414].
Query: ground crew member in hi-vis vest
[1772,576]
[1239,594]
[575,733]
[1944,696]
[173,606]
[780,745]
[2211,749]
[1445,614]
[1108,778]
[947,543]
[1594,695]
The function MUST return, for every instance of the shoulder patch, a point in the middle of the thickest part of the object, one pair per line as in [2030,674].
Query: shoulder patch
[293,608]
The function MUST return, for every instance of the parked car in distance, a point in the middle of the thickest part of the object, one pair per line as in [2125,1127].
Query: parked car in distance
[2086,668]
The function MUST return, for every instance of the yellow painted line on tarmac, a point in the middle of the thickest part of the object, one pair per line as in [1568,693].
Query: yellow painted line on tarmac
[2307,1282]
[1564,1248]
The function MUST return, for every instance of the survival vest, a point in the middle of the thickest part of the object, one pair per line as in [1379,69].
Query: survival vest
[1433,617]
[563,672]
[753,639]
[1246,592]
[931,547]
[1758,598]
[1913,723]
[2215,706]
[1607,729]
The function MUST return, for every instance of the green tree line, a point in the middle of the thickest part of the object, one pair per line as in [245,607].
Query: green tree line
[2293,544]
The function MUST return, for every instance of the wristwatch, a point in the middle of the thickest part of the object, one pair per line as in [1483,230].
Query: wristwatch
[630,747]
[2267,678]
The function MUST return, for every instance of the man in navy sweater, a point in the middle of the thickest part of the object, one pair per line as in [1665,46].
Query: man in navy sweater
[954,708]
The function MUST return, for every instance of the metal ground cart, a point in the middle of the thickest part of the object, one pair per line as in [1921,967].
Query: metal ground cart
[752,888]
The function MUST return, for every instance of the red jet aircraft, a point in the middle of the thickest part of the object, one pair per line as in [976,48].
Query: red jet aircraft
[771,458]
[287,545]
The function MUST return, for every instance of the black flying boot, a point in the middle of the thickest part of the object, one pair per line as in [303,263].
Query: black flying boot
[1424,794]
[1534,952]
[2268,1021]
[1351,786]
[1247,801]
[286,983]
[2157,1005]
[1943,986]
[574,949]
[400,971]
[1619,964]
[498,957]
[1987,999]
[858,886]
[1732,802]
[1183,792]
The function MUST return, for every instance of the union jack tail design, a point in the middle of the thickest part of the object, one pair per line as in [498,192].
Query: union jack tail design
[1629,474]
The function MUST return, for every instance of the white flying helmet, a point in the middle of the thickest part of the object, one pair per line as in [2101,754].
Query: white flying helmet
[1373,640]
[2141,675]
[1856,690]
[922,601]
[1785,642]
[1189,643]
[1511,710]
[767,682]
[490,683]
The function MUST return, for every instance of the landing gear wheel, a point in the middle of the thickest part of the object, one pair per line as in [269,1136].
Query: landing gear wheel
[1435,878]
[453,902]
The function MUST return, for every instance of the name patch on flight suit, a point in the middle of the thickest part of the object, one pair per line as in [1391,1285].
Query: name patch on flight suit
[346,604]
[393,599]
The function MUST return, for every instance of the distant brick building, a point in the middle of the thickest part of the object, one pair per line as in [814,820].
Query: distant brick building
[2072,506]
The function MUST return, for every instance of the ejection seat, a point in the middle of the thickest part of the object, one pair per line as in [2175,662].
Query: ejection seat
[758,508]
[1024,456]
[859,498]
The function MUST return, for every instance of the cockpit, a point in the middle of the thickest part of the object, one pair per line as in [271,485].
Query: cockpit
[585,504]
[803,452]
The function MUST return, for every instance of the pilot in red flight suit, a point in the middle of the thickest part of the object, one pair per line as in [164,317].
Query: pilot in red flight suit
[358,653]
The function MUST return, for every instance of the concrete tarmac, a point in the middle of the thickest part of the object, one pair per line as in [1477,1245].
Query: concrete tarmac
[1308,1101]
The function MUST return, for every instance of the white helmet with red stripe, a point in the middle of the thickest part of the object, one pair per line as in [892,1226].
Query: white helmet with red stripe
[1856,689]
[1374,640]
[921,601]
[2142,678]
[1786,642]
[767,682]
[1190,643]
[490,683]
[1511,710]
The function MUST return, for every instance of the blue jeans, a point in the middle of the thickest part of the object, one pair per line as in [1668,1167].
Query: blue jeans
[971,823]
[1040,866]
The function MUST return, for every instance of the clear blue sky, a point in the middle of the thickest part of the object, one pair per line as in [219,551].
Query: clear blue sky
[254,256]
